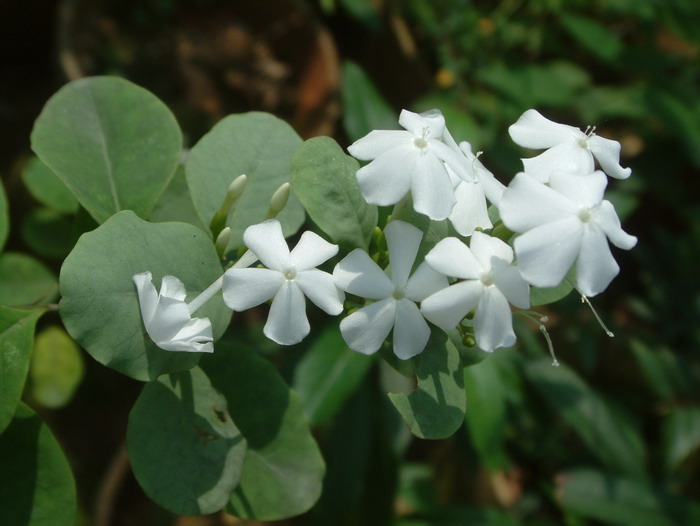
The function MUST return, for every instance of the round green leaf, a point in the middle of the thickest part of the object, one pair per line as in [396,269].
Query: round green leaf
[323,178]
[185,450]
[56,369]
[16,340]
[4,217]
[25,281]
[36,486]
[114,144]
[48,233]
[47,188]
[258,145]
[283,469]
[100,307]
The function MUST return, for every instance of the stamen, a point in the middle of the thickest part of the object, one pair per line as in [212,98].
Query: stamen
[540,320]
[543,330]
[584,299]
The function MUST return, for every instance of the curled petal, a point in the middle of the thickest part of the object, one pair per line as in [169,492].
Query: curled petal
[532,130]
[287,323]
[411,332]
[452,257]
[568,156]
[452,158]
[430,124]
[170,316]
[607,153]
[148,296]
[195,336]
[171,287]
[311,251]
[511,283]
[403,240]
[320,288]
[267,242]
[493,321]
[357,274]
[387,179]
[606,218]
[424,282]
[431,188]
[584,190]
[595,267]
[470,211]
[447,307]
[485,248]
[366,329]
[527,204]
[245,288]
[377,142]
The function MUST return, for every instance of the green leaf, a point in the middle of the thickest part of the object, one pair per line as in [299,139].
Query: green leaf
[283,469]
[608,437]
[4,217]
[436,408]
[550,295]
[323,178]
[680,431]
[36,486]
[327,375]
[100,307]
[258,145]
[627,502]
[175,204]
[47,188]
[25,281]
[595,37]
[114,144]
[185,449]
[16,340]
[364,109]
[48,233]
[56,369]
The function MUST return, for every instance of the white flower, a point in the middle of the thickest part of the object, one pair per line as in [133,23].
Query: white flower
[167,319]
[410,162]
[289,277]
[565,222]
[366,329]
[471,211]
[490,282]
[568,148]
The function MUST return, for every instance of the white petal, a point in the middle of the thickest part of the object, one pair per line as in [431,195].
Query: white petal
[387,179]
[607,153]
[527,204]
[511,283]
[411,332]
[245,288]
[606,218]
[403,240]
[492,187]
[366,329]
[459,164]
[170,316]
[431,188]
[148,296]
[430,124]
[485,248]
[357,274]
[493,321]
[195,336]
[568,156]
[452,257]
[424,282]
[377,142]
[187,346]
[311,251]
[268,244]
[584,190]
[532,130]
[470,211]
[595,267]
[546,253]
[320,288]
[287,323]
[447,307]
[171,287]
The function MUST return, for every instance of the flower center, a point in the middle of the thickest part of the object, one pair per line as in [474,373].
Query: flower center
[487,278]
[422,142]
[584,215]
[399,294]
[583,141]
[290,273]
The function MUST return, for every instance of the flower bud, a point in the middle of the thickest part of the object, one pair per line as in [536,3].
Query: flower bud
[234,191]
[278,200]
[222,241]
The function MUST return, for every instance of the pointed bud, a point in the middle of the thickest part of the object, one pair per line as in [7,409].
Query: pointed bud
[234,191]
[222,241]
[278,200]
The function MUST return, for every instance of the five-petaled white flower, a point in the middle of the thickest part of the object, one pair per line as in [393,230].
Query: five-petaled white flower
[366,329]
[410,161]
[568,148]
[167,319]
[490,282]
[289,277]
[565,222]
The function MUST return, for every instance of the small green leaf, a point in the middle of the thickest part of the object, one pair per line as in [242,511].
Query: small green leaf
[36,486]
[185,449]
[25,281]
[4,217]
[48,233]
[592,35]
[258,145]
[56,369]
[436,408]
[47,188]
[16,340]
[100,307]
[327,375]
[680,431]
[114,144]
[283,468]
[550,295]
[323,178]
[364,109]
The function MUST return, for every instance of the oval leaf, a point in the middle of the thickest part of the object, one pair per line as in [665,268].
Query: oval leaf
[47,188]
[185,450]
[56,369]
[25,281]
[114,144]
[100,307]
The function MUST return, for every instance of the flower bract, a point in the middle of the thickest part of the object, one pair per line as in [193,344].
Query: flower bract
[167,318]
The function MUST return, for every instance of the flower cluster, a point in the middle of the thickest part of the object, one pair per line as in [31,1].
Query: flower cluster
[554,207]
